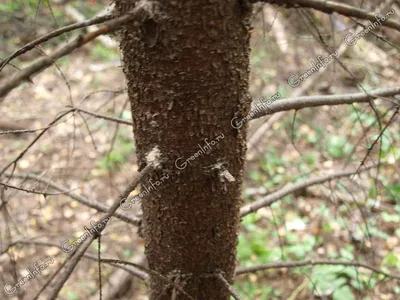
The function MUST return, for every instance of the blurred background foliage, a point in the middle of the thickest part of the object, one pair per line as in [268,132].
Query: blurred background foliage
[347,219]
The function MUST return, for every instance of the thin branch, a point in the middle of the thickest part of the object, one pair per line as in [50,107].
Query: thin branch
[53,34]
[228,286]
[149,271]
[370,148]
[100,116]
[19,131]
[76,256]
[97,115]
[25,74]
[139,274]
[23,152]
[139,13]
[99,206]
[297,264]
[301,90]
[320,100]
[291,188]
[73,13]
[379,37]
[99,266]
[12,65]
[45,194]
[89,131]
[330,7]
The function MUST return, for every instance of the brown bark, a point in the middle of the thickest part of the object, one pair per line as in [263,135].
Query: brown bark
[187,78]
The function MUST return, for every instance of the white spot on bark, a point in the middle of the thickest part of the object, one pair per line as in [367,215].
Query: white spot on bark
[223,174]
[153,157]
[226,175]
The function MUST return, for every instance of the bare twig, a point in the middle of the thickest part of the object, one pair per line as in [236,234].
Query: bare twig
[73,13]
[321,100]
[370,148]
[139,14]
[330,7]
[139,274]
[53,34]
[9,186]
[99,206]
[297,264]
[19,131]
[291,188]
[308,85]
[105,117]
[76,256]
[25,74]
[149,271]
[99,267]
[228,286]
[120,283]
[14,162]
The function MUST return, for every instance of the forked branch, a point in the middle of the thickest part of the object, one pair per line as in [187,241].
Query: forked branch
[297,264]
[53,34]
[291,188]
[140,13]
[330,7]
[321,100]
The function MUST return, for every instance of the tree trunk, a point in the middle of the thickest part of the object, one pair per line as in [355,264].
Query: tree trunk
[187,78]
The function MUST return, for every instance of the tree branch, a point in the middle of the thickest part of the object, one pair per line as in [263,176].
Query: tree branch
[42,64]
[29,191]
[228,286]
[321,100]
[99,206]
[148,271]
[53,34]
[76,256]
[291,188]
[140,13]
[100,116]
[330,7]
[297,264]
[20,155]
[139,274]
[19,131]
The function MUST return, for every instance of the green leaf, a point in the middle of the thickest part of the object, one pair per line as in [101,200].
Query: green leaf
[256,176]
[389,218]
[337,146]
[396,289]
[391,260]
[346,254]
[126,115]
[127,253]
[395,190]
[378,233]
[343,293]
[73,296]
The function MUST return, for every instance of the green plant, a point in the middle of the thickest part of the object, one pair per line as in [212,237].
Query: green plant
[253,291]
[331,280]
[338,146]
[118,156]
[103,53]
[18,5]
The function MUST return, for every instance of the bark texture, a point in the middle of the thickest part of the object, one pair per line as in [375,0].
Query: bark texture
[187,77]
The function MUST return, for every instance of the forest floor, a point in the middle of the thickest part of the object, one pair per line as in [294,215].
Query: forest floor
[354,218]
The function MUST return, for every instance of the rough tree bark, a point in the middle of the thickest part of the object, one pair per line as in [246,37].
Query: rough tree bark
[187,78]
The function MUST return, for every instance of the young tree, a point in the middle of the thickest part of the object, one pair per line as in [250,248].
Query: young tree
[187,74]
[187,68]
